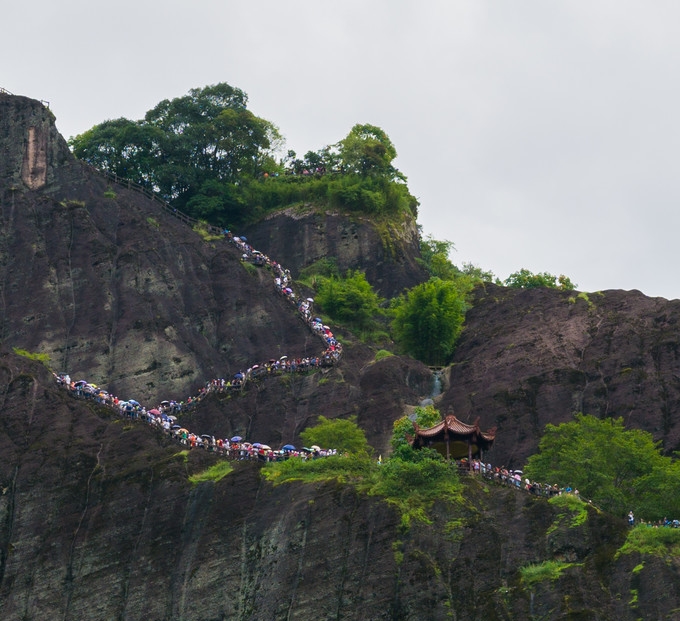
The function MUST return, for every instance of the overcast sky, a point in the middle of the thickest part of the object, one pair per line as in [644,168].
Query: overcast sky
[537,134]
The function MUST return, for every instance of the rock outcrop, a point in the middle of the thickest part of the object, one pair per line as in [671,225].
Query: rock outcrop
[536,356]
[34,154]
[300,236]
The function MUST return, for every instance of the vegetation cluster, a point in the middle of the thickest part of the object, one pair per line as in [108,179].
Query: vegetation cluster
[409,480]
[618,469]
[207,154]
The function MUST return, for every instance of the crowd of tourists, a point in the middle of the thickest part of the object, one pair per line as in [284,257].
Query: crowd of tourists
[166,414]
[513,478]
[516,480]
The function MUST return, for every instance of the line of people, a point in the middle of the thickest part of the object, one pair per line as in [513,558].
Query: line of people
[513,478]
[165,415]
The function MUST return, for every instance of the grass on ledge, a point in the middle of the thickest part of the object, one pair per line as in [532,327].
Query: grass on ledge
[214,473]
[572,507]
[548,570]
[662,542]
[412,487]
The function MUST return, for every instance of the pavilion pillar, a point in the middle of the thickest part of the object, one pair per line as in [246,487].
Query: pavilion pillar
[470,455]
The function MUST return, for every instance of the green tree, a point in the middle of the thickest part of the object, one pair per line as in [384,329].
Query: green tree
[351,300]
[478,274]
[126,148]
[425,417]
[183,143]
[368,150]
[342,434]
[606,462]
[524,279]
[428,319]
[658,492]
[434,257]
[219,203]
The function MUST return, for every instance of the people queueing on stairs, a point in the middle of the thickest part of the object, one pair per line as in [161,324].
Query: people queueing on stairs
[165,415]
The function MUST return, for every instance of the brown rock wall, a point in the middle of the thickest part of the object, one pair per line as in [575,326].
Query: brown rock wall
[100,522]
[531,357]
[297,237]
[97,517]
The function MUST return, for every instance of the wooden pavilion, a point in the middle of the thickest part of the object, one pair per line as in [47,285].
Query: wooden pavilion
[455,439]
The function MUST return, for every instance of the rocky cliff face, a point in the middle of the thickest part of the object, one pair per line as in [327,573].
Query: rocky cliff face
[98,518]
[33,151]
[531,357]
[99,521]
[118,291]
[300,236]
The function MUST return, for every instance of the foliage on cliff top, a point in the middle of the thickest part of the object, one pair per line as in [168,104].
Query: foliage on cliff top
[646,539]
[435,258]
[210,156]
[524,279]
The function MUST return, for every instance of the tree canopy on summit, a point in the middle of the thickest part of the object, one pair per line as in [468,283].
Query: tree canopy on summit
[208,155]
[206,136]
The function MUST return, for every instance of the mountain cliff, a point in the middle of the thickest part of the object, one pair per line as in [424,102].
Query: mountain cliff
[100,522]
[99,519]
[528,357]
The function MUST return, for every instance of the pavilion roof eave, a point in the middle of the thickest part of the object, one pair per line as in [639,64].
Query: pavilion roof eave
[455,429]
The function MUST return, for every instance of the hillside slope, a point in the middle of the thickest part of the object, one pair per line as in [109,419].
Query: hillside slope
[531,357]
[118,291]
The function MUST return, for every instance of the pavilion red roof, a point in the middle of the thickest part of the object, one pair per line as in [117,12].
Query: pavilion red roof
[454,429]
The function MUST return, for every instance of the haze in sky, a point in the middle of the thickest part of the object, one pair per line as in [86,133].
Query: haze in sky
[538,135]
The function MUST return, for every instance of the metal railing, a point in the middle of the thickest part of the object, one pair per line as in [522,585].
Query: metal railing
[132,185]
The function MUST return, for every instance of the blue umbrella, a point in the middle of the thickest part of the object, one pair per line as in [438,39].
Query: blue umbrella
[236,439]
[288,447]
[133,402]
